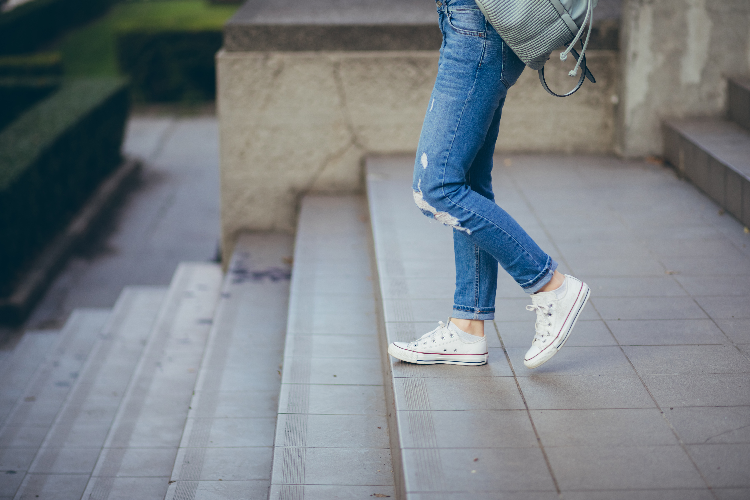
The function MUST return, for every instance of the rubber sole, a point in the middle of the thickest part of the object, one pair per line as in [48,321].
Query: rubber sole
[425,358]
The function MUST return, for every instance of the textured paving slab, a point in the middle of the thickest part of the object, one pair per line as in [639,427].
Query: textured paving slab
[17,365]
[332,433]
[28,422]
[649,398]
[76,436]
[227,445]
[138,445]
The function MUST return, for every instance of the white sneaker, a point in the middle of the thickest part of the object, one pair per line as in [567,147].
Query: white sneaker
[446,344]
[555,319]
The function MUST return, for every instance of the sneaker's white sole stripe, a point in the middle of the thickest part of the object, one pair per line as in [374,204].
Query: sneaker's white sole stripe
[447,362]
[418,357]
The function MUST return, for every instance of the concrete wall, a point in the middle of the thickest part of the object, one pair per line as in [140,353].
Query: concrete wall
[298,122]
[676,54]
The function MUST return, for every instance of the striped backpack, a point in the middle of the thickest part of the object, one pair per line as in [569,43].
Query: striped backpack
[534,28]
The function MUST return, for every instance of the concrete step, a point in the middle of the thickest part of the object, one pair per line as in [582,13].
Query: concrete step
[332,434]
[18,365]
[714,154]
[738,100]
[137,449]
[69,451]
[36,408]
[227,444]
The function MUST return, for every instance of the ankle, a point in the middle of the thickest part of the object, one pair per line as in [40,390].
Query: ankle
[554,283]
[471,326]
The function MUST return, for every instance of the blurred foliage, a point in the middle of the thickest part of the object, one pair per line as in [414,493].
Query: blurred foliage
[31,65]
[26,79]
[91,51]
[170,66]
[51,159]
[17,94]
[34,24]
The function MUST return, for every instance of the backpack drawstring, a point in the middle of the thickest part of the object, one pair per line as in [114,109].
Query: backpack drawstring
[590,19]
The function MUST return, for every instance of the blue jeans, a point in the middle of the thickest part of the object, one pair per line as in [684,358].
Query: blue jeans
[453,169]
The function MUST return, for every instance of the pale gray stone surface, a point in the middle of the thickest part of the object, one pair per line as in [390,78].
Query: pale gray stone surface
[648,399]
[19,364]
[30,454]
[332,437]
[139,449]
[228,435]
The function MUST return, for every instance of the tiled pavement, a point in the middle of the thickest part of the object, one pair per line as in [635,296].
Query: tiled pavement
[650,398]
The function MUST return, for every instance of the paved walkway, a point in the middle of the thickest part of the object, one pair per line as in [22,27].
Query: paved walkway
[650,396]
[172,216]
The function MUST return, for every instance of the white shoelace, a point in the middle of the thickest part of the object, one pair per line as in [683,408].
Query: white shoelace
[543,325]
[433,335]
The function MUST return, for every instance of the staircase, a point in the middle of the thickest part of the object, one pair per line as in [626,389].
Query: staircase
[714,154]
[101,414]
[176,392]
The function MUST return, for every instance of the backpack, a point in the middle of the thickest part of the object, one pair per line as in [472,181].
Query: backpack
[534,28]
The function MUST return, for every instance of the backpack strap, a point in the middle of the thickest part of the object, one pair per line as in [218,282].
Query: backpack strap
[584,74]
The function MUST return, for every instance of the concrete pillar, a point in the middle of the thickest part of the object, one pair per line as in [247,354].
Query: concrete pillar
[675,57]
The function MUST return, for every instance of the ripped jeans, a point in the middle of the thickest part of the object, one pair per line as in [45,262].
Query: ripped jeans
[453,169]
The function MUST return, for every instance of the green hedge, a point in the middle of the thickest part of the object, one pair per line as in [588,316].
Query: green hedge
[51,159]
[170,66]
[19,94]
[33,24]
[32,65]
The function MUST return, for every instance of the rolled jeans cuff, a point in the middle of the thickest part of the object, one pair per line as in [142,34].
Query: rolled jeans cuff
[460,312]
[544,277]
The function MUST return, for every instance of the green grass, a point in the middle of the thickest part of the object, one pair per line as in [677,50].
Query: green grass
[90,50]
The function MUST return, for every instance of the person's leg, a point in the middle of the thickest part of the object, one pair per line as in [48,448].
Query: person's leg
[476,269]
[454,161]
[456,107]
[476,69]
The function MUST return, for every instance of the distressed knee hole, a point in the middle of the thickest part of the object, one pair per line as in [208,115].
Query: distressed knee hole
[442,217]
